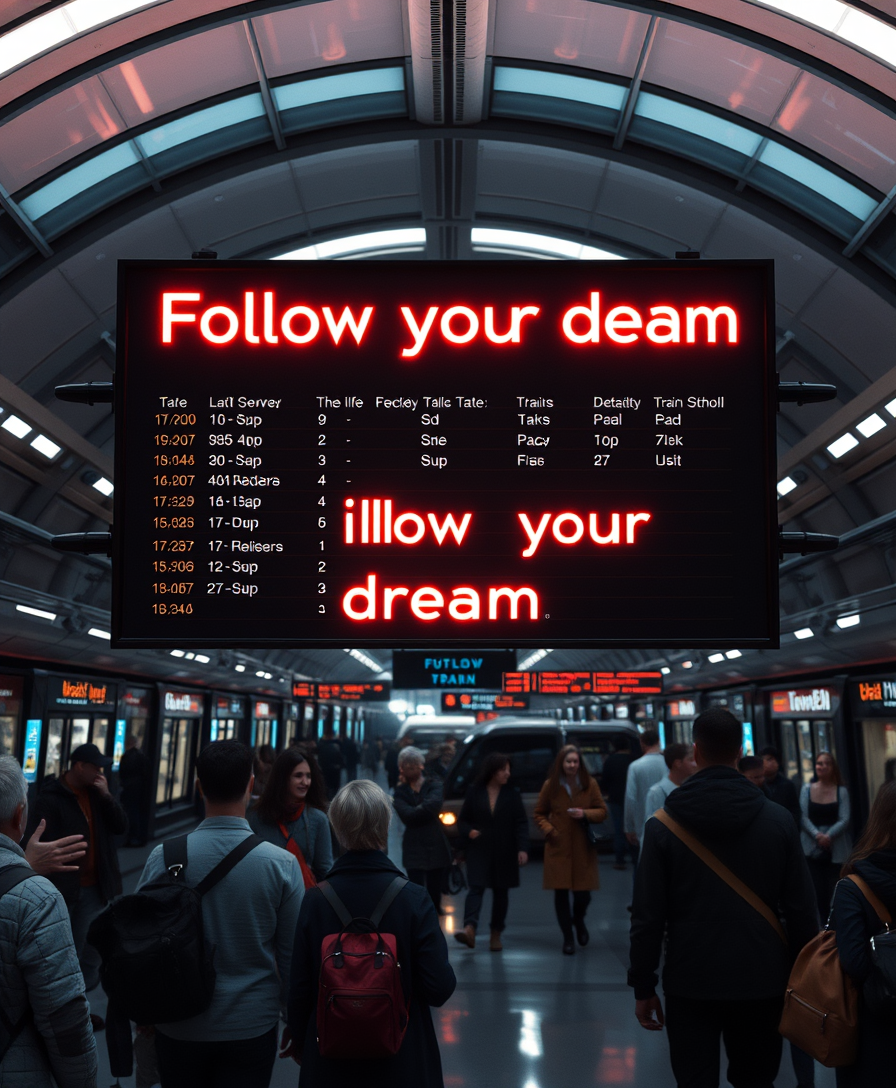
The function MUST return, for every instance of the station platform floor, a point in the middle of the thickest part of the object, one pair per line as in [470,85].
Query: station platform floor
[530,1017]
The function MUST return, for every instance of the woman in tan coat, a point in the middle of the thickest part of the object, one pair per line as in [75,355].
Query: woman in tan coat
[570,862]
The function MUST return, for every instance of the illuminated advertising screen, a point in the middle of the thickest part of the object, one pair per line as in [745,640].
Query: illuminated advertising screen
[445,454]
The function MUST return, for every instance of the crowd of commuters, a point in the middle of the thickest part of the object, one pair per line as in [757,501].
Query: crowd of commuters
[735,872]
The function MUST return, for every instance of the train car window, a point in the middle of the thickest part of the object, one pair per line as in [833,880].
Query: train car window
[164,760]
[807,755]
[53,761]
[790,752]
[531,756]
[7,736]
[180,785]
[80,729]
[879,740]
[824,742]
[100,733]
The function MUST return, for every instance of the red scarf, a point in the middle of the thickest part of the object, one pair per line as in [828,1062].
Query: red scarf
[293,847]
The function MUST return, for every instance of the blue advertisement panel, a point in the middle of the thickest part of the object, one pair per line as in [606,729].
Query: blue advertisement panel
[121,727]
[33,729]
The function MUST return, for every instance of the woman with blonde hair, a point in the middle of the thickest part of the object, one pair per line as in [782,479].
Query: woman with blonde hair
[568,799]
[855,922]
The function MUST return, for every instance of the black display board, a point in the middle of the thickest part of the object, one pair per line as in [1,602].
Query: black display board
[469,453]
[432,669]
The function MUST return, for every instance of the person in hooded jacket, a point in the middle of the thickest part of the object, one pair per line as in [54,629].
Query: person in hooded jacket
[725,968]
[425,852]
[360,816]
[855,923]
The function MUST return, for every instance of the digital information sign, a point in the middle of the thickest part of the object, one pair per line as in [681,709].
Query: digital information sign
[468,702]
[592,683]
[445,454]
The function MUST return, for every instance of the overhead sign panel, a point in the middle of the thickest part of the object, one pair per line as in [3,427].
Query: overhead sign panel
[578,683]
[400,454]
[456,669]
[467,702]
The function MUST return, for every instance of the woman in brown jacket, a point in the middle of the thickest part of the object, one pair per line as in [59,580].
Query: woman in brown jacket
[570,862]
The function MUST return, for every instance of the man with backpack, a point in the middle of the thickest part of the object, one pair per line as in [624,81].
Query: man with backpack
[249,917]
[718,866]
[45,1032]
[369,962]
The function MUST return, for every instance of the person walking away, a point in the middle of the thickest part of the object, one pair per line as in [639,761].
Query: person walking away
[824,804]
[855,922]
[329,758]
[778,788]
[292,813]
[350,756]
[40,980]
[250,918]
[79,803]
[425,851]
[493,823]
[680,765]
[751,768]
[642,774]
[569,796]
[135,774]
[706,929]
[360,816]
[612,781]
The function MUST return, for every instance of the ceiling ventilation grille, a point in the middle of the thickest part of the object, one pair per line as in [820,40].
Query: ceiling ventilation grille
[448,46]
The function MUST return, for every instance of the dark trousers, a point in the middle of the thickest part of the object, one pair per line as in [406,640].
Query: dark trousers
[749,1030]
[236,1063]
[580,901]
[431,879]
[824,879]
[473,906]
[621,845]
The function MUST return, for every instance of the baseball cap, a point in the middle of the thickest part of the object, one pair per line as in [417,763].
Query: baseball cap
[89,753]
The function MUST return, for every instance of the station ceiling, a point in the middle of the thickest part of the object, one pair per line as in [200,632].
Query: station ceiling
[544,129]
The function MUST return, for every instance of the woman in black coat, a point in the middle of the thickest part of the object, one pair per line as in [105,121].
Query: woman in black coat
[360,815]
[425,852]
[493,822]
[855,922]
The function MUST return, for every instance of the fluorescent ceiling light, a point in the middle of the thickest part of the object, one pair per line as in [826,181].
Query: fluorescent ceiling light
[189,657]
[177,653]
[786,485]
[539,243]
[239,668]
[104,486]
[365,660]
[687,664]
[804,632]
[39,612]
[86,14]
[16,426]
[891,407]
[398,706]
[268,676]
[849,621]
[97,633]
[733,654]
[843,444]
[260,673]
[871,425]
[825,14]
[714,659]
[665,670]
[538,655]
[358,243]
[201,657]
[43,445]
[860,29]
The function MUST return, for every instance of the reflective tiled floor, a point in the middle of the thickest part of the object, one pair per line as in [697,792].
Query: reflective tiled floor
[530,1017]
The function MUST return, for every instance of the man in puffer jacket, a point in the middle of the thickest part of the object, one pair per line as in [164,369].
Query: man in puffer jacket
[39,974]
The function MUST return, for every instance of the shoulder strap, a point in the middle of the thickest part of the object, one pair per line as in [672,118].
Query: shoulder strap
[335,902]
[13,875]
[879,909]
[174,852]
[388,897]
[709,859]
[226,863]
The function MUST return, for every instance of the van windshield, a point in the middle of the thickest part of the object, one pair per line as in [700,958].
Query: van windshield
[595,748]
[531,756]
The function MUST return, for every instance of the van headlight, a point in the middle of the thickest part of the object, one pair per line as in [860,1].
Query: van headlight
[448,818]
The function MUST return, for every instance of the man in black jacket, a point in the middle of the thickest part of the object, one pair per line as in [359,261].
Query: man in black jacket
[725,968]
[79,802]
[778,788]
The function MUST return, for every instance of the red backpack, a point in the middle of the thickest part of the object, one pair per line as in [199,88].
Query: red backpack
[361,1011]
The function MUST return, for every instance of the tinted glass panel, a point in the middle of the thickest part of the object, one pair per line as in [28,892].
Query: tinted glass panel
[531,756]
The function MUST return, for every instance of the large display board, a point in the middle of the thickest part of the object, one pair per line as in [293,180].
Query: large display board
[462,454]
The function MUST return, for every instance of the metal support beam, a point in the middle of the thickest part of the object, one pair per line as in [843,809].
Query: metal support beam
[634,88]
[265,87]
[871,223]
[24,223]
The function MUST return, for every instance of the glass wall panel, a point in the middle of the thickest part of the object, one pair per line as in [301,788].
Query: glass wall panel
[53,760]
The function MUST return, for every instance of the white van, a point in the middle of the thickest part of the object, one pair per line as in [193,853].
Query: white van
[427,732]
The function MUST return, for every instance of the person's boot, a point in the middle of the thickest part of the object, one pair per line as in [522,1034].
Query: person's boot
[467,936]
[581,931]
[569,947]
[494,944]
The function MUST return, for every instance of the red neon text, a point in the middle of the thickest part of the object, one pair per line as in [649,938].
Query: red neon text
[259,323]
[623,324]
[378,525]
[460,325]
[569,528]
[427,602]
